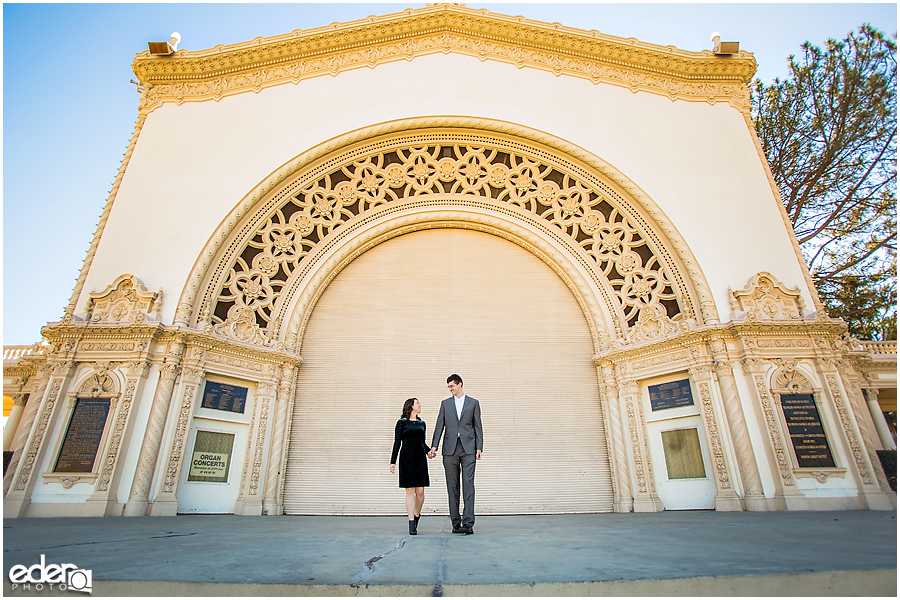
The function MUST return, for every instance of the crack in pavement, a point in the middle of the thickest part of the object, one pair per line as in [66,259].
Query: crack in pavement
[438,590]
[363,577]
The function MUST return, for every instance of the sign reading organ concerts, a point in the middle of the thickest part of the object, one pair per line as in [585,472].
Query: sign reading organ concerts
[211,457]
[807,433]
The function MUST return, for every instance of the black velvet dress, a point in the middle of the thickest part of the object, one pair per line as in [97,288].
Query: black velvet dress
[409,443]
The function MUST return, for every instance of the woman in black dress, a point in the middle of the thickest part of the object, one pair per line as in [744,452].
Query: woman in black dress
[409,443]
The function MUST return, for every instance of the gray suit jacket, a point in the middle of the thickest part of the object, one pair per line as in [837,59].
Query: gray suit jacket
[468,427]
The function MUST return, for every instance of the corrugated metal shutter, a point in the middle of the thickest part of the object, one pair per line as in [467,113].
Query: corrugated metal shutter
[394,324]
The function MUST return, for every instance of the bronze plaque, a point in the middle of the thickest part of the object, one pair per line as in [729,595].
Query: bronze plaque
[221,396]
[82,439]
[671,395]
[807,433]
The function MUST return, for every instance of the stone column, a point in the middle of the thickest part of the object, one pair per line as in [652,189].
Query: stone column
[12,422]
[31,409]
[139,498]
[726,497]
[166,502]
[645,498]
[881,426]
[787,496]
[249,502]
[869,475]
[754,497]
[26,475]
[278,448]
[609,393]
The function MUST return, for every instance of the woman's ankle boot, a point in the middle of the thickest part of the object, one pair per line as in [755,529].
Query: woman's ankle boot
[417,521]
[412,527]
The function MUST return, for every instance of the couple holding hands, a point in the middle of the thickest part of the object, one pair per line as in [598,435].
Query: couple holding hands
[459,420]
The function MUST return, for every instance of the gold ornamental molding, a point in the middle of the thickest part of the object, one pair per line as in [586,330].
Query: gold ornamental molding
[190,76]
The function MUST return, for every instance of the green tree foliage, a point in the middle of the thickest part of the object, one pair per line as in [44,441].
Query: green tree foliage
[829,132]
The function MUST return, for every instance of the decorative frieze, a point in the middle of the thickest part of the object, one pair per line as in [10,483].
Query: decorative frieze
[253,66]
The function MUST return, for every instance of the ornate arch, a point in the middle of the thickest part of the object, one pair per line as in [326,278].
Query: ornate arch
[633,275]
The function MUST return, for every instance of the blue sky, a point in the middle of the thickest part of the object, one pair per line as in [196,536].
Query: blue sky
[69,109]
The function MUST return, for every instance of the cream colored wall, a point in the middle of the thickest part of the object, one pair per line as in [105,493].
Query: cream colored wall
[194,162]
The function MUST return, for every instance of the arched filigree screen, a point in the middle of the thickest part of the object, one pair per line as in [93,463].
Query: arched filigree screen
[645,290]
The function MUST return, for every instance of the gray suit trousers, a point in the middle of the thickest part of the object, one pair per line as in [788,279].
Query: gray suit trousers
[456,464]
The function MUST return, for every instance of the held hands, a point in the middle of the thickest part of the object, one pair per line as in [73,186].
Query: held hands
[431,453]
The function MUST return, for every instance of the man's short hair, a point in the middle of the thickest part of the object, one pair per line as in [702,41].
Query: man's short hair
[455,379]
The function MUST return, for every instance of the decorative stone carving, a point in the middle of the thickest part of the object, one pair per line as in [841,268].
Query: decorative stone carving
[99,383]
[787,380]
[262,63]
[606,234]
[241,325]
[125,301]
[765,299]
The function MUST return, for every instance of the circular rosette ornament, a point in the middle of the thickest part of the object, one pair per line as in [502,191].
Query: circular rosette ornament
[252,290]
[323,206]
[281,243]
[301,223]
[446,168]
[370,183]
[628,262]
[592,222]
[570,205]
[421,171]
[611,241]
[472,172]
[522,184]
[641,288]
[265,263]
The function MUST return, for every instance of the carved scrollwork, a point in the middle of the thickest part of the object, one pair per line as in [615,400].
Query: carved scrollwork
[765,299]
[125,301]
[99,384]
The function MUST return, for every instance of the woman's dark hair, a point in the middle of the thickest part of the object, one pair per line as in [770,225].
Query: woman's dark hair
[407,408]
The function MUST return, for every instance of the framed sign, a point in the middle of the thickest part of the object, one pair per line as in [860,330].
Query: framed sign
[673,394]
[223,396]
[82,440]
[211,459]
[807,433]
[684,459]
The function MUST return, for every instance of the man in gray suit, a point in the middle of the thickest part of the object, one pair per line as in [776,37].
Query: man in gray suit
[460,421]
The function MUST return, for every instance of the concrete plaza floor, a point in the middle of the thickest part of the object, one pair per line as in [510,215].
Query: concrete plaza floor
[696,553]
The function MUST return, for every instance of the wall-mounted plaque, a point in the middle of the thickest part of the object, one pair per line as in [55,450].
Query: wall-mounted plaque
[807,433]
[212,457]
[671,395]
[79,448]
[222,396]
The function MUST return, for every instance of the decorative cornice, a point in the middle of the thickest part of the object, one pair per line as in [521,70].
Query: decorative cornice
[264,62]
[733,330]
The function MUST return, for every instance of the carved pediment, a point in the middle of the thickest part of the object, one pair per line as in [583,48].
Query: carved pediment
[787,380]
[126,301]
[766,299]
